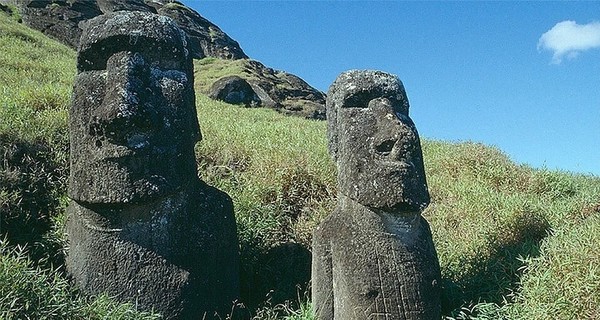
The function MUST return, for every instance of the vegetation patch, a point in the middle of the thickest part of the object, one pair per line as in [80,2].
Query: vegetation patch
[563,281]
[30,292]
[210,69]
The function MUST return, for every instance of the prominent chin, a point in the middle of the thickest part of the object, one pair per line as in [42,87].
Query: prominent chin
[115,187]
[128,179]
[399,191]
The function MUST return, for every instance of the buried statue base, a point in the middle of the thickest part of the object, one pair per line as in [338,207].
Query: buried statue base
[374,265]
[174,255]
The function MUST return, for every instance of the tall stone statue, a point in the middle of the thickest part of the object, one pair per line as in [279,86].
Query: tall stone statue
[142,226]
[373,257]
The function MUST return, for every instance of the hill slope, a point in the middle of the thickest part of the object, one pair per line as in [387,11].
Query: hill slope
[279,90]
[514,242]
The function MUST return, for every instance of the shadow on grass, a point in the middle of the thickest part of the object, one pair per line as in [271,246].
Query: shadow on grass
[495,277]
[281,274]
[31,182]
[274,276]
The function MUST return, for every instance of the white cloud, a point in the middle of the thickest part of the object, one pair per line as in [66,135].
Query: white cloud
[569,39]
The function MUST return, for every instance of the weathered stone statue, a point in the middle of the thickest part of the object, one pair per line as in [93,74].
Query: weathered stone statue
[142,226]
[373,257]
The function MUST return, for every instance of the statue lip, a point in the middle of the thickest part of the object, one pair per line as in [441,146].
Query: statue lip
[115,151]
[400,166]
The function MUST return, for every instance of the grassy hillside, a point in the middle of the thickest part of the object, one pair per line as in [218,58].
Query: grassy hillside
[514,242]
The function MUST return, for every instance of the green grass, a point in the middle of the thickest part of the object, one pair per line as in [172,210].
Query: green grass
[488,215]
[565,277]
[514,242]
[490,218]
[30,292]
[280,189]
[36,77]
[210,69]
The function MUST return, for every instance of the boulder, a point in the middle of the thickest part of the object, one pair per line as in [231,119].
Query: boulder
[234,90]
[279,90]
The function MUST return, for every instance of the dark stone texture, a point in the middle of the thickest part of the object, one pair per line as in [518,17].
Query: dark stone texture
[60,19]
[375,143]
[5,9]
[374,265]
[265,100]
[291,94]
[206,39]
[142,226]
[174,255]
[108,6]
[234,90]
[373,257]
[133,111]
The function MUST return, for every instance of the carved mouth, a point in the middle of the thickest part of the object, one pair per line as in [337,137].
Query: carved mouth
[398,166]
[113,152]
[138,143]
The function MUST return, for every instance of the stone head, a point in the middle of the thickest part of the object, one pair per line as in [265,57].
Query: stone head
[375,143]
[133,118]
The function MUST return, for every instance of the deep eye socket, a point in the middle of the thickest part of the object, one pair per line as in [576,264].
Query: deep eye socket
[385,147]
[357,100]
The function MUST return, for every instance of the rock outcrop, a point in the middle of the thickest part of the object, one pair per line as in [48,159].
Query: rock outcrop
[142,227]
[234,90]
[275,89]
[58,19]
[206,39]
[61,19]
[373,257]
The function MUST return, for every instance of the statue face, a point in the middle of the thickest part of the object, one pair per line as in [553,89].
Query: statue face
[378,151]
[133,118]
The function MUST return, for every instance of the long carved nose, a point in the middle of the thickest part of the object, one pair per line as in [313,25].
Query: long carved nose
[122,109]
[396,131]
[406,141]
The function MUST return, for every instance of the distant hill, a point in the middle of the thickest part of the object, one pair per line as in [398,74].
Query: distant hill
[63,21]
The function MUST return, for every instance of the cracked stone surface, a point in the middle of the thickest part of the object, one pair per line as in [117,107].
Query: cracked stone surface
[142,226]
[373,257]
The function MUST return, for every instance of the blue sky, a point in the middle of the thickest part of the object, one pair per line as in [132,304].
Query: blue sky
[521,76]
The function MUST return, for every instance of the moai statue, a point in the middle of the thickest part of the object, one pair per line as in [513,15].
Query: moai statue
[142,226]
[373,257]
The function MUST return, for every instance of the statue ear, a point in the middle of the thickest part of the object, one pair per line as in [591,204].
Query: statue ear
[332,126]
